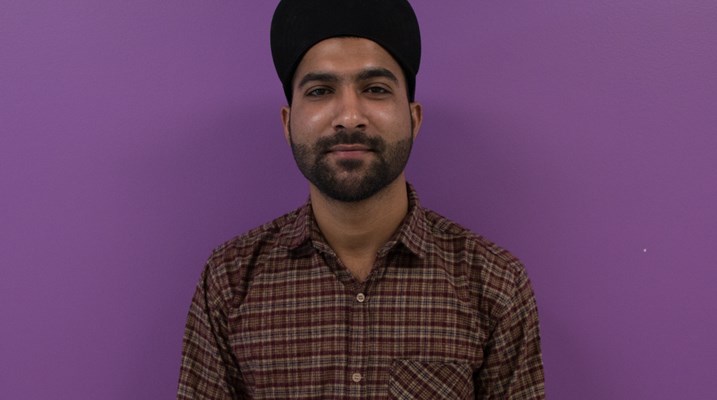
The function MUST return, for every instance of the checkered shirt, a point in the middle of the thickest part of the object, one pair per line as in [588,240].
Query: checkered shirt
[444,314]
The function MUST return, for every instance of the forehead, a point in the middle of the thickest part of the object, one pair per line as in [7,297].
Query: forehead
[346,55]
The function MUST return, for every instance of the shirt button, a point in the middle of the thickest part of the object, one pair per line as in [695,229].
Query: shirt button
[360,297]
[356,377]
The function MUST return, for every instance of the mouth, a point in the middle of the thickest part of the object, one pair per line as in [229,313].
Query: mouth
[349,151]
[349,148]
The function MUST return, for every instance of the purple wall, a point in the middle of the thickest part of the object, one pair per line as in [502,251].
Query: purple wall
[135,136]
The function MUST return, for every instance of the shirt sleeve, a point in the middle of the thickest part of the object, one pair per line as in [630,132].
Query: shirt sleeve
[513,368]
[209,369]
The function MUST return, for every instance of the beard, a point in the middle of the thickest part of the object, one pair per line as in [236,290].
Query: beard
[387,163]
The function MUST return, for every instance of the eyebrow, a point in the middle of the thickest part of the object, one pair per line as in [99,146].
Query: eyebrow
[318,77]
[376,73]
[366,74]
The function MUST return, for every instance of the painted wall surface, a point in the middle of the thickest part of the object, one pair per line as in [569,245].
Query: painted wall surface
[136,136]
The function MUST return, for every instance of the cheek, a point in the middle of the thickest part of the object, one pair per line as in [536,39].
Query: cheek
[394,120]
[308,119]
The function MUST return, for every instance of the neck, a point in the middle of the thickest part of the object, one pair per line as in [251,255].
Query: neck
[356,231]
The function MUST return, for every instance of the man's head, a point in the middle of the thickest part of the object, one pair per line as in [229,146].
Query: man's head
[351,120]
[298,25]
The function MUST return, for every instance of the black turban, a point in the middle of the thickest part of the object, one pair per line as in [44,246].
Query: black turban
[300,24]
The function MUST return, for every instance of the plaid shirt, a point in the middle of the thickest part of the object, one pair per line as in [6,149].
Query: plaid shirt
[444,314]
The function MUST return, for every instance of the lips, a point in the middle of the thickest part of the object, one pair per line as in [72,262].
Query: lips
[340,148]
[349,144]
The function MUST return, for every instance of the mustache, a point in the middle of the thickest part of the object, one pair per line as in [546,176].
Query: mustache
[375,143]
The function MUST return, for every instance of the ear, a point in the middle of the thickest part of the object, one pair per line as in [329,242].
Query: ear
[285,120]
[416,117]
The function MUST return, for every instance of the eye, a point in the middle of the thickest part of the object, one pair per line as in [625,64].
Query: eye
[318,92]
[377,90]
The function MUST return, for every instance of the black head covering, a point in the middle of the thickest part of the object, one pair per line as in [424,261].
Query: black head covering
[300,24]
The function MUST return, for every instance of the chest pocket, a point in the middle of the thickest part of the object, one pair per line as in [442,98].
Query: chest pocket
[418,380]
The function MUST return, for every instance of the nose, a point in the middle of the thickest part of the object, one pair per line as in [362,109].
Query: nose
[350,113]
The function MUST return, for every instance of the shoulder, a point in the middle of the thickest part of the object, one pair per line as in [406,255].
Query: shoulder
[258,240]
[495,278]
[449,236]
[233,265]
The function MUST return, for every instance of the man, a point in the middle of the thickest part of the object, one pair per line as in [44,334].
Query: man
[360,293]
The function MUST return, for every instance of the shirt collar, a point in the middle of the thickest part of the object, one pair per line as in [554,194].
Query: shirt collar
[413,233]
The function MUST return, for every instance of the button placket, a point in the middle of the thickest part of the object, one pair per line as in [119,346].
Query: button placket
[358,338]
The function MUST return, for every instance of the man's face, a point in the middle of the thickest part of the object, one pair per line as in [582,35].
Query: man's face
[350,124]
